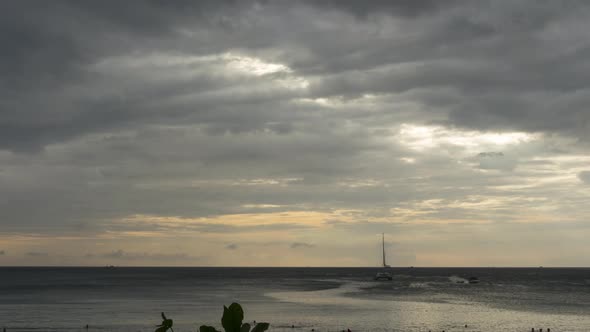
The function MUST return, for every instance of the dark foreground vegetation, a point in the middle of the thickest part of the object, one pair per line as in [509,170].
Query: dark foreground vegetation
[231,322]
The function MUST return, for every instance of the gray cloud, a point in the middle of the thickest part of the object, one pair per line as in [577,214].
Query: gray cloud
[124,255]
[584,176]
[36,254]
[400,7]
[115,254]
[496,160]
[487,90]
[231,246]
[219,228]
[297,245]
[2,253]
[387,109]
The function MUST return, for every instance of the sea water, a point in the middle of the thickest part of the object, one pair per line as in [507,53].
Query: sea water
[296,299]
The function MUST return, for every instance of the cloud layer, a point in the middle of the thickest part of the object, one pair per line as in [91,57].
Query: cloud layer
[215,125]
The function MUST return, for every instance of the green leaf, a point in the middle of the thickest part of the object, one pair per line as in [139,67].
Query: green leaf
[260,327]
[205,328]
[232,318]
[245,327]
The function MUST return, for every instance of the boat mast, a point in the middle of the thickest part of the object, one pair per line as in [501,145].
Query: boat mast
[383,238]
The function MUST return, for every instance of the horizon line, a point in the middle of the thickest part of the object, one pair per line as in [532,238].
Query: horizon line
[295,267]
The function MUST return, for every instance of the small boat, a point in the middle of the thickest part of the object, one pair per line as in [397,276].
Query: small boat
[384,275]
[473,280]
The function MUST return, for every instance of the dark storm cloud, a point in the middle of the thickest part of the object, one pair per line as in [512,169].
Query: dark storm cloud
[396,7]
[499,60]
[483,53]
[51,41]
[48,48]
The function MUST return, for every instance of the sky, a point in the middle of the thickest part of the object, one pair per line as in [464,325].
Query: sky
[294,133]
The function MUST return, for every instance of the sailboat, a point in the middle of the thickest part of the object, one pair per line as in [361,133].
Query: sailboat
[384,275]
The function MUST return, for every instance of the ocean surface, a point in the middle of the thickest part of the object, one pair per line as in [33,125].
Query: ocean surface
[324,299]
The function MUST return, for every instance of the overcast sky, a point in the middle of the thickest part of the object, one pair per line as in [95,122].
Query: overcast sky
[283,133]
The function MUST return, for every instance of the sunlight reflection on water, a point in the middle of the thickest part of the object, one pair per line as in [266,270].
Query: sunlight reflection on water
[342,311]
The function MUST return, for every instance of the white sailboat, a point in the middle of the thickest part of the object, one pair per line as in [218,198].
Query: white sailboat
[384,275]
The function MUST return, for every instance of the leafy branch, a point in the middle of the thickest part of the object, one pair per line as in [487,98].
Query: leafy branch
[231,321]
[166,324]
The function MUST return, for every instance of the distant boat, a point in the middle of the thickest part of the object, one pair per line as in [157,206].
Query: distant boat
[473,280]
[384,275]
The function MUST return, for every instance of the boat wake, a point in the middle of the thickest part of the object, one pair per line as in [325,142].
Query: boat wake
[337,295]
[458,280]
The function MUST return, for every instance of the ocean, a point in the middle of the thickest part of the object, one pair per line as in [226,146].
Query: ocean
[296,299]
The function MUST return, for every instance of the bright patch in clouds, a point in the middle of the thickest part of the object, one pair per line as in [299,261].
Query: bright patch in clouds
[408,160]
[260,206]
[235,62]
[421,138]
[169,67]
[312,219]
[253,65]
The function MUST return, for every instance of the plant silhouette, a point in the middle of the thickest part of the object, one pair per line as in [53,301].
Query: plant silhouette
[231,321]
[166,325]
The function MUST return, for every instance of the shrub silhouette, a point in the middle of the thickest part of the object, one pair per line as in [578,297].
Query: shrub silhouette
[231,321]
[166,324]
